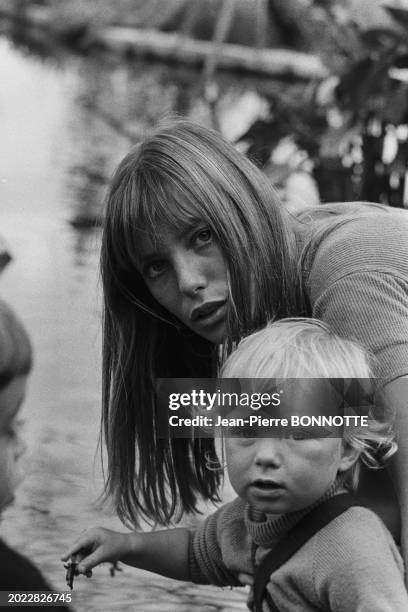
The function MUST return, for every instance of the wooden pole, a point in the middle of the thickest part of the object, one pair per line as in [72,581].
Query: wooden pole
[222,28]
[174,47]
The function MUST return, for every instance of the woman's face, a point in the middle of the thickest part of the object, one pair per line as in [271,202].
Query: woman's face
[187,274]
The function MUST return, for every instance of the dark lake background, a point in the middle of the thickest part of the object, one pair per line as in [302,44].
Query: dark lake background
[66,122]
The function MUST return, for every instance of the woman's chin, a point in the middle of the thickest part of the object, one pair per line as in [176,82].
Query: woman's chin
[216,335]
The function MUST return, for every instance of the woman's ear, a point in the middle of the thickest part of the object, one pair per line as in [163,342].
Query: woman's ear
[349,456]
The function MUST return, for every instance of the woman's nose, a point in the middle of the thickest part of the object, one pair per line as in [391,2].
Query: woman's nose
[268,452]
[191,276]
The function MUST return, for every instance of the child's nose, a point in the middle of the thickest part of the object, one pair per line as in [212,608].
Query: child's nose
[268,452]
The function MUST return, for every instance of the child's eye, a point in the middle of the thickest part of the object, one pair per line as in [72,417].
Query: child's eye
[154,269]
[246,432]
[203,236]
[299,435]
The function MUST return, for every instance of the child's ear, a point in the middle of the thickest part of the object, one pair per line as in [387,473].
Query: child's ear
[349,456]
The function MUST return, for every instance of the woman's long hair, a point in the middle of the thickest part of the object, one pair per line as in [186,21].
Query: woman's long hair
[180,174]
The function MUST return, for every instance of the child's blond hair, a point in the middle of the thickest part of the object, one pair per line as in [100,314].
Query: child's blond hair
[307,348]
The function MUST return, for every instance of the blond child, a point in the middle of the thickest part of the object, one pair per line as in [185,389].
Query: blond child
[352,563]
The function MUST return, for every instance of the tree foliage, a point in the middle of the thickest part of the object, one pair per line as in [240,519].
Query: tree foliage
[352,128]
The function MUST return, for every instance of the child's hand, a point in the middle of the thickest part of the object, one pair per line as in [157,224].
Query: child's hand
[98,545]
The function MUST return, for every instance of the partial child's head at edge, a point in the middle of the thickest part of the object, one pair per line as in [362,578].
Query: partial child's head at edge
[15,365]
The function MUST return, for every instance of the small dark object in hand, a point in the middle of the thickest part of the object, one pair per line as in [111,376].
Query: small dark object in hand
[114,568]
[72,571]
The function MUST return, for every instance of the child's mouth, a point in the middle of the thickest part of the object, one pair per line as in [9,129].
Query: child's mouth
[267,485]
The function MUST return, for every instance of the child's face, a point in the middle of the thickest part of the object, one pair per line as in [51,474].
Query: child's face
[187,274]
[11,445]
[280,475]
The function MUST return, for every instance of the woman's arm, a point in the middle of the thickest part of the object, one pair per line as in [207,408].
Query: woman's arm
[395,396]
[371,307]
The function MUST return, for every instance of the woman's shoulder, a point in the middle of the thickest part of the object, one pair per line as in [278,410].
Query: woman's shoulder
[333,223]
[363,238]
[371,224]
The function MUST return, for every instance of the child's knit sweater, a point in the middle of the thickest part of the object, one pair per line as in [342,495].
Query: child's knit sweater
[352,565]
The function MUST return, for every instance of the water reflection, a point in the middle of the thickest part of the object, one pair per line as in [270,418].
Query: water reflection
[65,125]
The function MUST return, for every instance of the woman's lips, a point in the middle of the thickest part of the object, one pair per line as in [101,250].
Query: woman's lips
[209,314]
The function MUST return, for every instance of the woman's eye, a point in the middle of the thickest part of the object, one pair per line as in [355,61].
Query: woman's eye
[154,269]
[203,236]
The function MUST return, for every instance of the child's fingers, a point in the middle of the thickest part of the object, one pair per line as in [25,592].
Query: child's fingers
[77,551]
[96,546]
[72,552]
[88,563]
[84,545]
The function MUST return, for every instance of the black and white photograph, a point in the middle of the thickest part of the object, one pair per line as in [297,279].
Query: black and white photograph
[204,305]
